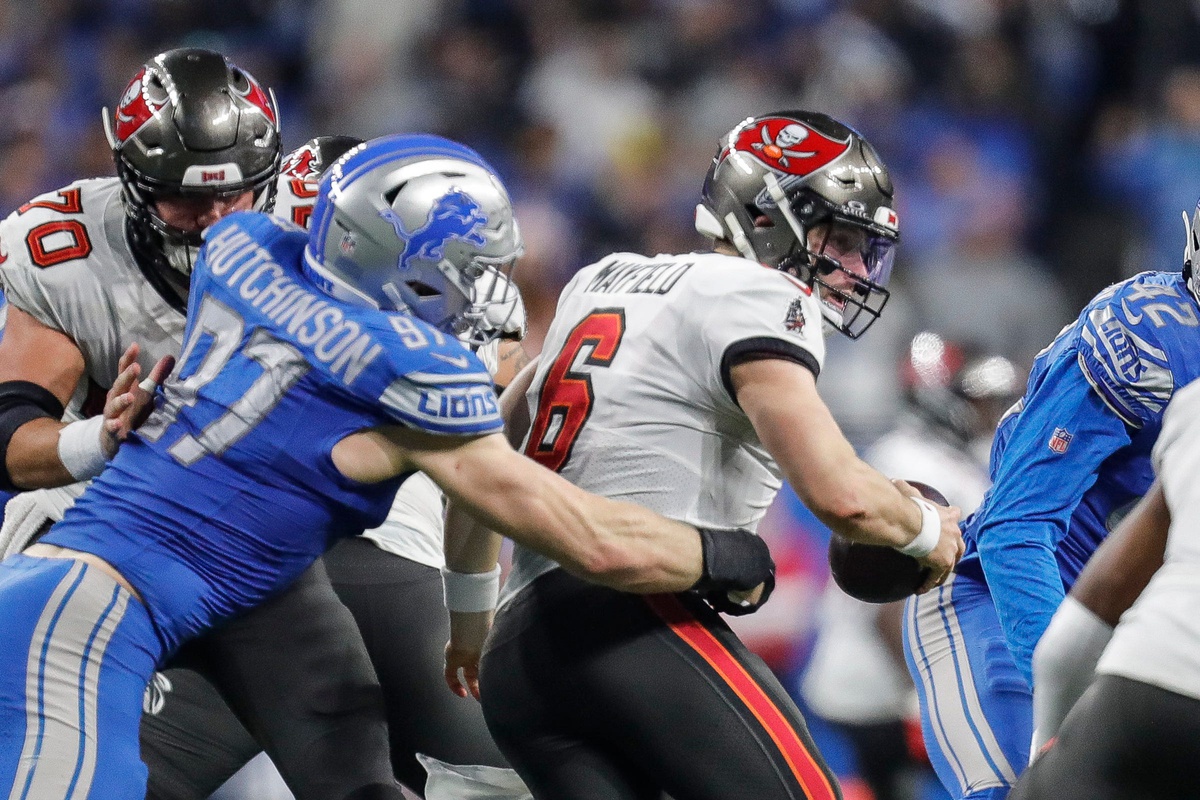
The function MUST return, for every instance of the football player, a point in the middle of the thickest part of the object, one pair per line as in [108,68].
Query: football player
[1068,462]
[318,371]
[688,383]
[97,278]
[390,580]
[1136,732]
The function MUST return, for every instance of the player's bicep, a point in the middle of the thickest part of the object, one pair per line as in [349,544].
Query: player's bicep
[795,426]
[31,351]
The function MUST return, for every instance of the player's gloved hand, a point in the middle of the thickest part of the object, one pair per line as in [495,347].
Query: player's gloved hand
[734,560]
[128,402]
[739,604]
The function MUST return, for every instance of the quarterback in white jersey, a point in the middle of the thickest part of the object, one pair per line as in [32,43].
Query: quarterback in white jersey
[670,435]
[687,384]
[1131,727]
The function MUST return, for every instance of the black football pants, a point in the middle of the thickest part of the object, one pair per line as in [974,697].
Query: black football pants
[296,681]
[600,695]
[1123,740]
[196,743]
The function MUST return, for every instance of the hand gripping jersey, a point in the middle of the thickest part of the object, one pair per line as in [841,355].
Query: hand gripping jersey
[229,491]
[64,260]
[1074,455]
[632,398]
[1158,638]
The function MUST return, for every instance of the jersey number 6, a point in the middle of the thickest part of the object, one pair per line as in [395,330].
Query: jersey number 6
[566,398]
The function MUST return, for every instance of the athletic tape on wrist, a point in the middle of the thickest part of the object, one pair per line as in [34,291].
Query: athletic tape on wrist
[931,530]
[470,592]
[79,448]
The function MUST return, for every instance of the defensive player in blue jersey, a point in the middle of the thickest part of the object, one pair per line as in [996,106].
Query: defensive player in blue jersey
[318,371]
[1068,462]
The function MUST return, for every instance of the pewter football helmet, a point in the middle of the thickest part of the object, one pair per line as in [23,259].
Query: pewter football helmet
[779,176]
[416,223]
[190,123]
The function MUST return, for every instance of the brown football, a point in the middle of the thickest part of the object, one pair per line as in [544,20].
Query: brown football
[877,573]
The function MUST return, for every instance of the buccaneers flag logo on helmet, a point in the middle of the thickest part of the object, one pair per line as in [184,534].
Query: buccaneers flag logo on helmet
[301,163]
[788,146]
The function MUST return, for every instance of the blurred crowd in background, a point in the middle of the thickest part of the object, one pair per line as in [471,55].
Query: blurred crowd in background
[1041,149]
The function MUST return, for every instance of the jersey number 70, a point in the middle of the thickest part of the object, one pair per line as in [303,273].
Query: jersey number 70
[566,398]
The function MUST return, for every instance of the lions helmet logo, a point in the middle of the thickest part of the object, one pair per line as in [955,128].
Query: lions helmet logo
[455,217]
[787,146]
[136,108]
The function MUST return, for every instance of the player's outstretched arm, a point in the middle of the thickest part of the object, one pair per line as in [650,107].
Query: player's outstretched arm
[851,497]
[1114,577]
[615,544]
[620,545]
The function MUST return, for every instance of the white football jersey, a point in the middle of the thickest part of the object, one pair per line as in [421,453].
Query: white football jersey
[632,397]
[1158,638]
[64,260]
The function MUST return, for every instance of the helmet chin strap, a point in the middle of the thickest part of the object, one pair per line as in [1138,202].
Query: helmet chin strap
[740,240]
[785,208]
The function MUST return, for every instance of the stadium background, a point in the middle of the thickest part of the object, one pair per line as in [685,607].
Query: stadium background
[1041,148]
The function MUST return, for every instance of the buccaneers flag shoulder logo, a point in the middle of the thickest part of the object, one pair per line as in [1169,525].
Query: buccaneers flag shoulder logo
[788,146]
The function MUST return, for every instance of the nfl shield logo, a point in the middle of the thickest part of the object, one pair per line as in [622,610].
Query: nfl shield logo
[1061,440]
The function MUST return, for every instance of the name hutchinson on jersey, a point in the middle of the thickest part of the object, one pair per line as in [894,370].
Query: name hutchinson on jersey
[633,277]
[316,323]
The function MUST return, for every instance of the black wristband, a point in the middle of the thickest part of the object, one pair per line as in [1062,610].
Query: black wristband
[733,559]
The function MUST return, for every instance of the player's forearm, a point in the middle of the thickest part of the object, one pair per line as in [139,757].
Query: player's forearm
[469,546]
[32,457]
[620,545]
[858,502]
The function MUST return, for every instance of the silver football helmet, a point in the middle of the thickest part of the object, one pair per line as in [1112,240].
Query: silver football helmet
[417,223]
[1190,250]
[790,188]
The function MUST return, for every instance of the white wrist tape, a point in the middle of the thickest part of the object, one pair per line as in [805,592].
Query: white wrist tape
[931,530]
[469,592]
[79,448]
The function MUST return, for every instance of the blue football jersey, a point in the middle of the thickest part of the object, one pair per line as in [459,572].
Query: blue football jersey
[229,490]
[1073,456]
